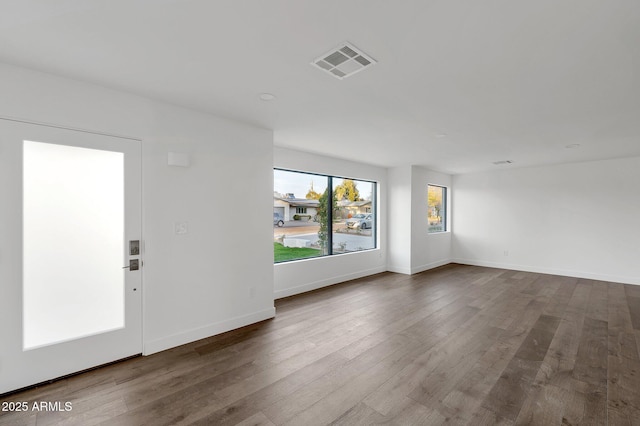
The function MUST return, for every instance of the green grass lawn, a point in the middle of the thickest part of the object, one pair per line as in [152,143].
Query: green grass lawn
[282,253]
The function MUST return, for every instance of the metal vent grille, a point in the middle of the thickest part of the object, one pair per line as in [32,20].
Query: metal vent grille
[497,163]
[343,61]
[364,61]
[336,58]
[349,51]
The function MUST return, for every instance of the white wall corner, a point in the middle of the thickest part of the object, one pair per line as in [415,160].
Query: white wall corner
[431,265]
[399,269]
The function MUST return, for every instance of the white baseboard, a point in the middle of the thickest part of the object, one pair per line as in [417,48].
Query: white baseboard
[552,271]
[192,335]
[431,265]
[292,291]
[399,269]
[417,269]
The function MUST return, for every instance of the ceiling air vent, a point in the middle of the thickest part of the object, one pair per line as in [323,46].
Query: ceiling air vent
[498,163]
[343,61]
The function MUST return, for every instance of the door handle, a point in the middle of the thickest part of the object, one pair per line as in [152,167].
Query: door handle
[134,265]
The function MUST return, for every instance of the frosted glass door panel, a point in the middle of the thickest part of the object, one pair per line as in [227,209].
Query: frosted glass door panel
[73,239]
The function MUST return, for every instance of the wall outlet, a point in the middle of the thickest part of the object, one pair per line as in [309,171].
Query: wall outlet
[252,292]
[506,252]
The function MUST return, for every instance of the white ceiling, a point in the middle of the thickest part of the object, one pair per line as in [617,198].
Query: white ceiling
[503,79]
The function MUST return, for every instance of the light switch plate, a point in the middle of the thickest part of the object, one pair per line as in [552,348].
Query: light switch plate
[181,228]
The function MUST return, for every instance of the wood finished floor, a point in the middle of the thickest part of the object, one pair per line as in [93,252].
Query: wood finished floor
[455,345]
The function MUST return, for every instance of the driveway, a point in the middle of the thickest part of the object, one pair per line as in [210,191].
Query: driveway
[309,232]
[296,227]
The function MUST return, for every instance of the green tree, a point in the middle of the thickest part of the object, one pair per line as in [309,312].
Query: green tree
[323,218]
[348,189]
[312,195]
[434,202]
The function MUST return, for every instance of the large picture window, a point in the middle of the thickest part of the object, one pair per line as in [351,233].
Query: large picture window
[317,215]
[437,208]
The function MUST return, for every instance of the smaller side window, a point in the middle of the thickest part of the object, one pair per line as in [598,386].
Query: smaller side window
[437,208]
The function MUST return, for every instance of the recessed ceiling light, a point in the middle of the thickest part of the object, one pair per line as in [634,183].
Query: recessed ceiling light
[572,146]
[267,96]
[441,135]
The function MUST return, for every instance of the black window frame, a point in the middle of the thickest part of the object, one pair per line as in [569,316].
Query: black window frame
[445,207]
[374,213]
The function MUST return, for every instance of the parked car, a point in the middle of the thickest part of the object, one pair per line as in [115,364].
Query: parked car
[360,221]
[278,220]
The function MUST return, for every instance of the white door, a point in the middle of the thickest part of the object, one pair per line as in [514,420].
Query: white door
[70,204]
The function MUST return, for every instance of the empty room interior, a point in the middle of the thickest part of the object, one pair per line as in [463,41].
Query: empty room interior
[455,191]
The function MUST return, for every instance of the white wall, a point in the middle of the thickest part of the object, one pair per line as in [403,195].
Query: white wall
[580,220]
[198,284]
[201,283]
[400,201]
[428,250]
[411,248]
[309,274]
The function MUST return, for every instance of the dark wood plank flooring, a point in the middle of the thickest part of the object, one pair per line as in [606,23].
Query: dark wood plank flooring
[455,345]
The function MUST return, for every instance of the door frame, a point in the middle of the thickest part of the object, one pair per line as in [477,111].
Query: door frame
[17,279]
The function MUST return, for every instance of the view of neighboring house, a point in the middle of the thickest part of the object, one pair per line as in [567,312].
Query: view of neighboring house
[288,206]
[347,209]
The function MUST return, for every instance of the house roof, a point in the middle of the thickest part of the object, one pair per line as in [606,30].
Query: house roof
[347,203]
[299,202]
